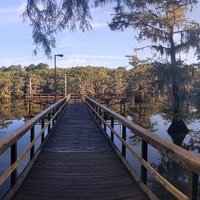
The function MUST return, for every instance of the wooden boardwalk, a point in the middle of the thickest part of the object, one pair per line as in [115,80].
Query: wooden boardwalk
[77,162]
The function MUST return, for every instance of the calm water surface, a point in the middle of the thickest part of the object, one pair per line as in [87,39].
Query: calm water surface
[12,116]
[155,116]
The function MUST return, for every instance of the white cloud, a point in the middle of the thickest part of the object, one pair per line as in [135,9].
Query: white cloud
[17,9]
[12,15]
[97,56]
[72,61]
[84,60]
[14,61]
[98,25]
[66,61]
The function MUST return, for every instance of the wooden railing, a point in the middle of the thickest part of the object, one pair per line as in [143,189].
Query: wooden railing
[177,154]
[47,119]
[43,95]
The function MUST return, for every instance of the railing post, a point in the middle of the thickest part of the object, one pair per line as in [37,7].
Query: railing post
[124,137]
[97,112]
[91,104]
[193,185]
[56,115]
[95,108]
[49,126]
[112,125]
[144,156]
[13,159]
[105,117]
[32,151]
[42,126]
[52,116]
[100,115]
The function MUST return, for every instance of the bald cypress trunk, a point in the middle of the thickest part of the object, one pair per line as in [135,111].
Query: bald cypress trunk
[177,126]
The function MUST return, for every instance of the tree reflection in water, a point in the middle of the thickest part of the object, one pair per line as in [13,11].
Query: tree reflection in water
[14,113]
[187,137]
[173,172]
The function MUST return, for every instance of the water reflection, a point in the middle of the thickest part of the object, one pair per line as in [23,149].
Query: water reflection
[15,113]
[158,117]
[174,173]
[182,127]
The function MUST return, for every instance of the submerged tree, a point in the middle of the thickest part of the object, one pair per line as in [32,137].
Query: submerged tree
[166,26]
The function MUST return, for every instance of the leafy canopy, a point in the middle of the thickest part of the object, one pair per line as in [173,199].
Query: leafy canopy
[48,17]
[155,20]
[163,23]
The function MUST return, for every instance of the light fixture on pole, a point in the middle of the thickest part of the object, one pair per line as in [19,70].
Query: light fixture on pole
[55,76]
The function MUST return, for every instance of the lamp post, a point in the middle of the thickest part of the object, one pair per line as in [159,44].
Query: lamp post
[65,85]
[55,76]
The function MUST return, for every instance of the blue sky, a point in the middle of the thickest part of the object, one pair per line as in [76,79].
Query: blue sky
[98,47]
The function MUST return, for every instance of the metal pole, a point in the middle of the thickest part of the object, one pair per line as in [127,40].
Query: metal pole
[65,85]
[55,80]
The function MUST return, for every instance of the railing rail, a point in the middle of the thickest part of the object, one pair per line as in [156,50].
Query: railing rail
[48,119]
[177,154]
[43,94]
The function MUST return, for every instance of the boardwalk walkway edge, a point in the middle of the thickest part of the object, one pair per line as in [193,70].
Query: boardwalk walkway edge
[144,187]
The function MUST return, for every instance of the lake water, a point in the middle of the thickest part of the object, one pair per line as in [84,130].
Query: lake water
[13,115]
[155,116]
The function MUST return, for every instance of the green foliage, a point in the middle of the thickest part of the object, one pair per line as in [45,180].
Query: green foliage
[143,80]
[140,81]
[166,26]
[49,16]
[154,19]
[86,80]
[163,23]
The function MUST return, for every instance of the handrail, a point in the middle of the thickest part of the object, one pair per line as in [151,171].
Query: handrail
[18,133]
[192,162]
[42,94]
[175,152]
[50,116]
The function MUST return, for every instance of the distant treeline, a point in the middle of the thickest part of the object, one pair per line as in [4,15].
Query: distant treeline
[140,81]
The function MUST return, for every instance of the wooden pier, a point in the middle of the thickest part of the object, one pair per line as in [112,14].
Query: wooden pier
[78,159]
[78,163]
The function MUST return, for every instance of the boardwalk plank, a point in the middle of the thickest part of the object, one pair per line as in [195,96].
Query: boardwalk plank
[78,163]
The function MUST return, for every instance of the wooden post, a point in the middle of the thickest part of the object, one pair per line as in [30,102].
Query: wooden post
[56,115]
[13,159]
[42,126]
[193,185]
[100,115]
[124,137]
[54,118]
[32,151]
[49,126]
[112,125]
[105,117]
[30,87]
[144,156]
[94,107]
[95,110]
